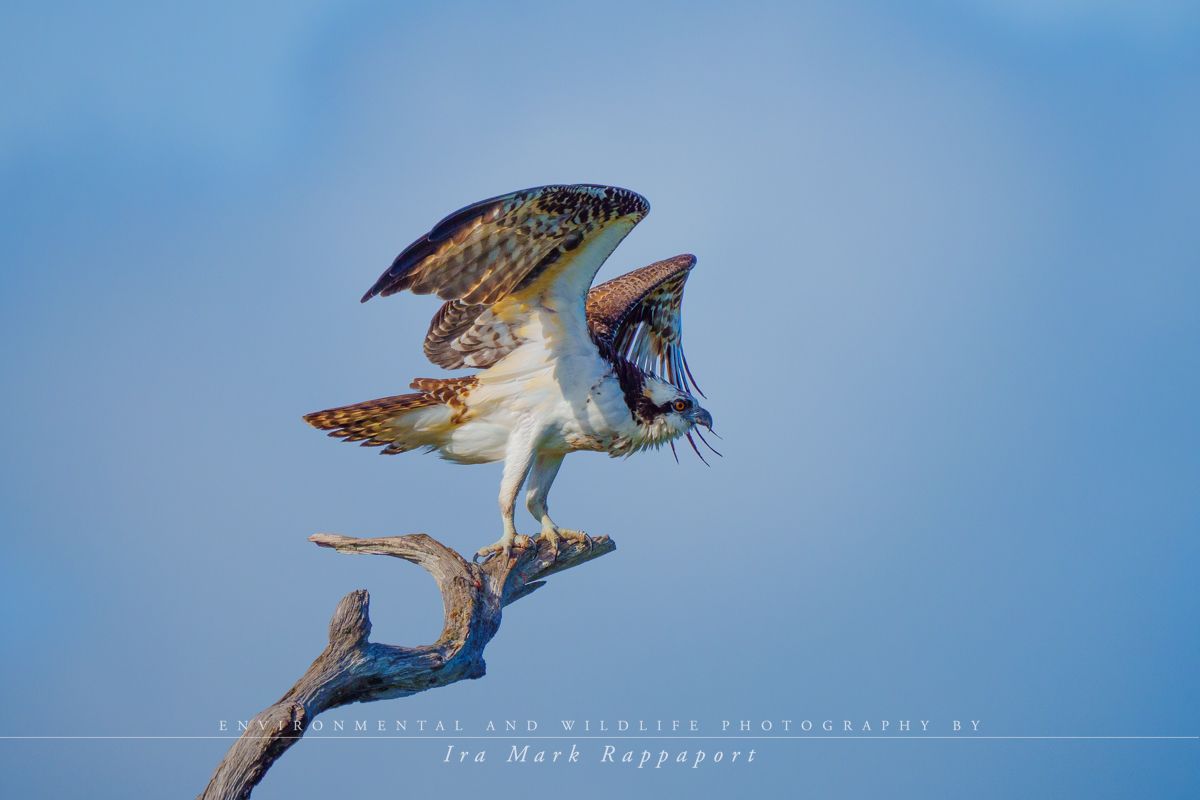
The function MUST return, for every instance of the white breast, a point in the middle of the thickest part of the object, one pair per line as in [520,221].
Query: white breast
[557,382]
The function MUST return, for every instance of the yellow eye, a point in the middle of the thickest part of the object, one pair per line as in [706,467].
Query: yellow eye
[680,405]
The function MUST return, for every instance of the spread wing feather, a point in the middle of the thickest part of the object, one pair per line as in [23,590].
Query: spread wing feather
[493,249]
[638,316]
[453,320]
[470,336]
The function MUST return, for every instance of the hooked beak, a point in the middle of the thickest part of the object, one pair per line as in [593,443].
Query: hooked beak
[701,417]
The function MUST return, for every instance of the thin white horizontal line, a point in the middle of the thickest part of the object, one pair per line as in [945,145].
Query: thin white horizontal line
[576,738]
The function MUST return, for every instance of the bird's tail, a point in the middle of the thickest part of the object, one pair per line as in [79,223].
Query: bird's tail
[403,422]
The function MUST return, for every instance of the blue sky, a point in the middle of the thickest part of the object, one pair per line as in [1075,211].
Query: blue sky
[944,312]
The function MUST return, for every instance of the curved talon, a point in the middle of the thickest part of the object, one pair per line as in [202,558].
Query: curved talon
[591,543]
[529,542]
[486,554]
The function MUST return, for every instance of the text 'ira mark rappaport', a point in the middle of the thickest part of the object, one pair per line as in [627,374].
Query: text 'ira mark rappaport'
[610,755]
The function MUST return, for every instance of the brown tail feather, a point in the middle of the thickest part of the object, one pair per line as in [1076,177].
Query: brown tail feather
[369,422]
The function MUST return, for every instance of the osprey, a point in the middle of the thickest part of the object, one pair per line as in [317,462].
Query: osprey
[564,368]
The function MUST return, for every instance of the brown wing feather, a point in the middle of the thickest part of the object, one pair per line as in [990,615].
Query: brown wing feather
[489,250]
[638,316]
[462,335]
[451,321]
[486,251]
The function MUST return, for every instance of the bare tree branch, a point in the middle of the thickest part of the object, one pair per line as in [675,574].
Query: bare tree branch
[354,670]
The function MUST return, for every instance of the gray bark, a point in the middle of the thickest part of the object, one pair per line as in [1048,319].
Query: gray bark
[354,670]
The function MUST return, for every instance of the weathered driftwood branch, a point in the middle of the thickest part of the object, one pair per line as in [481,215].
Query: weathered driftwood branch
[353,670]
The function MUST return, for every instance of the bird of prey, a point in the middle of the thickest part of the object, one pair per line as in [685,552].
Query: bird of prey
[563,368]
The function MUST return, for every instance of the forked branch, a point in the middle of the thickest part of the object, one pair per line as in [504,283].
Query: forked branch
[354,670]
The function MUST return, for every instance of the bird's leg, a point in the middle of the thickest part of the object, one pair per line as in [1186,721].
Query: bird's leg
[517,461]
[545,468]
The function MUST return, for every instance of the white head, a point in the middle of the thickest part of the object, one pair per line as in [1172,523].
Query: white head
[665,412]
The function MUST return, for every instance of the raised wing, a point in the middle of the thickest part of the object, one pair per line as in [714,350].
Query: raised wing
[501,247]
[638,316]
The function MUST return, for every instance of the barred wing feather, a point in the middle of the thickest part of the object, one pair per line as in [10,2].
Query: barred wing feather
[499,248]
[638,316]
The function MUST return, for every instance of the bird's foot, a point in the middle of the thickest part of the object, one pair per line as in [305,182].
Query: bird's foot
[556,535]
[503,547]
